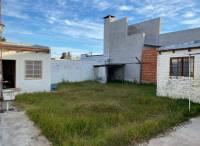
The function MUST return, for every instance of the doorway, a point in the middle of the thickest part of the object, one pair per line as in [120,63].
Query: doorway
[9,73]
[115,73]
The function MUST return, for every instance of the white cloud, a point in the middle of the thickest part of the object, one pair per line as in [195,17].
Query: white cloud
[193,22]
[62,2]
[149,7]
[15,8]
[125,8]
[102,5]
[52,20]
[163,8]
[189,14]
[12,8]
[76,19]
[79,29]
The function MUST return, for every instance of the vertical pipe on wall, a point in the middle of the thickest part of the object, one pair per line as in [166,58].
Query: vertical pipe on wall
[190,83]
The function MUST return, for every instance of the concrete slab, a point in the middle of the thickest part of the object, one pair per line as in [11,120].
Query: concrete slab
[185,135]
[17,130]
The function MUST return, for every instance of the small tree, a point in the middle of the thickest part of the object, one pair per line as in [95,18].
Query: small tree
[66,55]
[2,39]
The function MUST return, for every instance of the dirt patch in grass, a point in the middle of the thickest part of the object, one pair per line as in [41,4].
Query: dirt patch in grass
[92,114]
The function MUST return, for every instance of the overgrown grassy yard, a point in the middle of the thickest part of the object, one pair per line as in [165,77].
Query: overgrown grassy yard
[92,114]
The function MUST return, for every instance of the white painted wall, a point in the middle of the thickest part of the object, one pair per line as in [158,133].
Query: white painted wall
[72,71]
[26,85]
[177,87]
[100,74]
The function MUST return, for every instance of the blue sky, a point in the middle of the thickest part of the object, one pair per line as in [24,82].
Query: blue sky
[77,25]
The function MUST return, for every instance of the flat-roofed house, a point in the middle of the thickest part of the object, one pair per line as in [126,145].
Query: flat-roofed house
[26,67]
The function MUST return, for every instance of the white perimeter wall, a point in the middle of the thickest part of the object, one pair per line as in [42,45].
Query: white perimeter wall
[26,85]
[72,71]
[178,87]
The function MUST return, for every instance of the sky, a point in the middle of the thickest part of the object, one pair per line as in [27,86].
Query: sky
[77,25]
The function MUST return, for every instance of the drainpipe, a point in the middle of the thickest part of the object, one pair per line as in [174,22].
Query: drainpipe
[140,62]
[190,83]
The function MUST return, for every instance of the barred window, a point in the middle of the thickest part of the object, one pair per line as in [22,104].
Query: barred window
[180,66]
[33,69]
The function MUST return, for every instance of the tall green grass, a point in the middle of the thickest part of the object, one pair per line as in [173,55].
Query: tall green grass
[92,114]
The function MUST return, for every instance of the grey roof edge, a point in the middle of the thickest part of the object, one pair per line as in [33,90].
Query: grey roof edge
[152,45]
[181,46]
[180,31]
[157,18]
[25,45]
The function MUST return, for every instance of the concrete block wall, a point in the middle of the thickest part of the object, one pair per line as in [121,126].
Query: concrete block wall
[149,65]
[178,87]
[71,71]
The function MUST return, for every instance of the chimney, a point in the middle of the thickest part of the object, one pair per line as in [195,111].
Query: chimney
[109,18]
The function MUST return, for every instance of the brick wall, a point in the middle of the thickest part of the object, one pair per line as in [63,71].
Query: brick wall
[149,65]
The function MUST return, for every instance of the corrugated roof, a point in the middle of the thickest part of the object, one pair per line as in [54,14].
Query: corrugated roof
[187,45]
[24,47]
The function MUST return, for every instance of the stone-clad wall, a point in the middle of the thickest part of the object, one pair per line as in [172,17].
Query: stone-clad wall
[178,87]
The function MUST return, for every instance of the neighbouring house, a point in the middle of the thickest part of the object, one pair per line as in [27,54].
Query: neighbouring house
[178,65]
[130,51]
[140,53]
[129,54]
[26,67]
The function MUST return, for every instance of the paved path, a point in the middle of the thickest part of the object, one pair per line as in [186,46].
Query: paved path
[185,135]
[17,130]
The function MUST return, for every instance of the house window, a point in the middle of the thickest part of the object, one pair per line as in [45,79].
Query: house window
[180,66]
[33,69]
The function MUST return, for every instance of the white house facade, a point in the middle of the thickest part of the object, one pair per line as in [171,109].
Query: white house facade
[178,71]
[26,67]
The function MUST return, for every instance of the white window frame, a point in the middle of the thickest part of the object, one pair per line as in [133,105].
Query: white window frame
[25,70]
